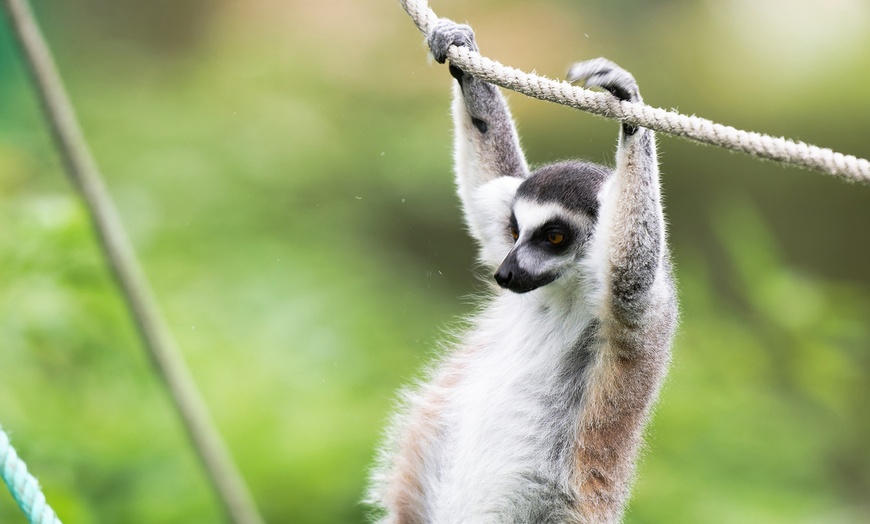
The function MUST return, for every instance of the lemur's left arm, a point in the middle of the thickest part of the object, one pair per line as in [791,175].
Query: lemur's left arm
[630,236]
[489,166]
[487,149]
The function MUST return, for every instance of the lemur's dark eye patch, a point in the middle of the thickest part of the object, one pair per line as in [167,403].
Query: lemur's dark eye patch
[554,234]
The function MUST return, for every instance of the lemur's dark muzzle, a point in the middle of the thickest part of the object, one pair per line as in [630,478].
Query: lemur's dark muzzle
[510,275]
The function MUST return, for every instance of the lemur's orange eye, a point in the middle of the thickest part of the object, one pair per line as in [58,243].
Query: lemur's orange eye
[555,238]
[515,233]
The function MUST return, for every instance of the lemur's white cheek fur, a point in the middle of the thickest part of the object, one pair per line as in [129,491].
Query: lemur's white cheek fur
[489,213]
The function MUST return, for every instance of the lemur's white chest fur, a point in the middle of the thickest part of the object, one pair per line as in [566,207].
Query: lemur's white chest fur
[505,419]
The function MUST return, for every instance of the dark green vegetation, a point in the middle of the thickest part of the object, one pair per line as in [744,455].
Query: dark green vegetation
[284,171]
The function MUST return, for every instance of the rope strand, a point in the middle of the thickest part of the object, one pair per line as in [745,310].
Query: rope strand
[779,149]
[23,486]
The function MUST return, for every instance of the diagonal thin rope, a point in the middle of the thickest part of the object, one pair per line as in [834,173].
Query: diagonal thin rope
[118,251]
[800,154]
[23,486]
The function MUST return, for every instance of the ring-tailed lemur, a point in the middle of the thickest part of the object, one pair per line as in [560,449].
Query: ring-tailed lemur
[538,415]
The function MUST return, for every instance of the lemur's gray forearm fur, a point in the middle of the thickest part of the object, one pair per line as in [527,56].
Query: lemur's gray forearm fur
[492,132]
[637,229]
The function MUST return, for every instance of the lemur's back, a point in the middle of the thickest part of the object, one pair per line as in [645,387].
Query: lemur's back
[537,415]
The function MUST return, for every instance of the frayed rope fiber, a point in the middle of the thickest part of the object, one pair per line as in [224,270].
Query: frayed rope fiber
[23,486]
[846,167]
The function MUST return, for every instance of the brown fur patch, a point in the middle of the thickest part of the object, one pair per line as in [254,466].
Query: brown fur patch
[622,387]
[404,495]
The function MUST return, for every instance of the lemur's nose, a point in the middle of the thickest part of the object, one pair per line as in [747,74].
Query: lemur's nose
[503,276]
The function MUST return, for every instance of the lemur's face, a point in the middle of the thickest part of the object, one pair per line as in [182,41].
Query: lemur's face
[551,222]
[548,242]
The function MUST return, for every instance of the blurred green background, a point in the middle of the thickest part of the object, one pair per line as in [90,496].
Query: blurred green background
[284,170]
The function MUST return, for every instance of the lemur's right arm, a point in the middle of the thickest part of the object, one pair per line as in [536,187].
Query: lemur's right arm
[631,228]
[486,147]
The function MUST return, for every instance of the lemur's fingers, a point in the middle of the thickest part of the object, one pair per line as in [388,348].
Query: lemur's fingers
[446,33]
[601,72]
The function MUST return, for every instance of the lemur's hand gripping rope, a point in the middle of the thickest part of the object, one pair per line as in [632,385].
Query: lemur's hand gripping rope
[846,167]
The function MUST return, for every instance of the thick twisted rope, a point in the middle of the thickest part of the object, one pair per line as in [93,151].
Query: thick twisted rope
[23,486]
[846,167]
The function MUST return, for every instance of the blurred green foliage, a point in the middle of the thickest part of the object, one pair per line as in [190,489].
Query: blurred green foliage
[284,171]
